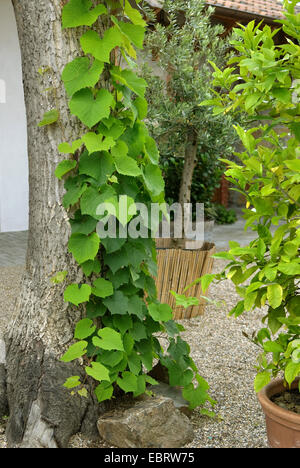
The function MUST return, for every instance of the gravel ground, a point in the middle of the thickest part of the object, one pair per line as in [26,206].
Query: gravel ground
[224,358]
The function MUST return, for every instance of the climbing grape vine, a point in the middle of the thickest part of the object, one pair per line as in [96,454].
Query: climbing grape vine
[115,158]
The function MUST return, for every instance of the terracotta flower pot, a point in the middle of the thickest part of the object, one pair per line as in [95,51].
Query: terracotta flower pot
[283,426]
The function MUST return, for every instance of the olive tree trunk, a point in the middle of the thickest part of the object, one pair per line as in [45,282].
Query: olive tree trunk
[190,162]
[42,413]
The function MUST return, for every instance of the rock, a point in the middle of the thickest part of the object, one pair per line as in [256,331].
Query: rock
[174,393]
[153,422]
[3,395]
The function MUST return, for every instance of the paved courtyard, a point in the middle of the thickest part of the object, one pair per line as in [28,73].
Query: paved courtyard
[13,245]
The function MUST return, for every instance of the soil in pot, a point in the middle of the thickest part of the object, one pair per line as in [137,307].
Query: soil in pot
[288,400]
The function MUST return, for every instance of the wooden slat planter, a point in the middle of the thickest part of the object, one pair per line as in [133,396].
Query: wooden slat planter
[176,269]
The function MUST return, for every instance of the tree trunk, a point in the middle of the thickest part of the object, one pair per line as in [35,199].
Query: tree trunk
[190,161]
[42,413]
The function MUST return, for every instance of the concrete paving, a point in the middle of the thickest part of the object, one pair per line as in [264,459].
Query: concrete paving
[223,233]
[13,245]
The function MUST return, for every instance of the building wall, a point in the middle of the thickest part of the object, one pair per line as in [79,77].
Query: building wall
[13,141]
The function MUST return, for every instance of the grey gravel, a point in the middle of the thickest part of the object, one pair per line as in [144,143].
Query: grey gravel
[225,358]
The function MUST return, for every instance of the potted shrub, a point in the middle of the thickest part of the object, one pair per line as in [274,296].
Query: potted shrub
[264,83]
[187,134]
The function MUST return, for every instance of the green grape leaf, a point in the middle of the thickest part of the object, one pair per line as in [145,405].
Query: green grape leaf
[96,165]
[102,288]
[49,118]
[128,382]
[92,43]
[126,165]
[111,358]
[75,351]
[91,199]
[74,189]
[134,363]
[64,167]
[117,304]
[84,329]
[77,295]
[135,33]
[91,110]
[134,15]
[196,396]
[78,13]
[83,392]
[154,180]
[130,79]
[66,148]
[138,331]
[83,225]
[104,392]
[122,323]
[84,247]
[136,306]
[160,312]
[72,382]
[109,340]
[59,277]
[98,371]
[150,146]
[91,266]
[79,74]
[94,142]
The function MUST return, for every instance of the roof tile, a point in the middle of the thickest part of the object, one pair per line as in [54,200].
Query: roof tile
[267,8]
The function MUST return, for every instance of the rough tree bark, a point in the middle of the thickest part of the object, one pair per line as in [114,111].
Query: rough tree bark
[41,412]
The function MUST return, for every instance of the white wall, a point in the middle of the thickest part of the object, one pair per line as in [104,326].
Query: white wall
[13,141]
